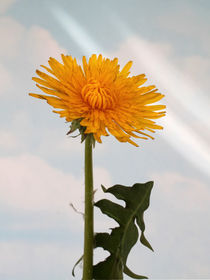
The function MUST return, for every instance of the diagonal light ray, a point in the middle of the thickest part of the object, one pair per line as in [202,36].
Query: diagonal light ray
[172,80]
[87,45]
[180,135]
[188,143]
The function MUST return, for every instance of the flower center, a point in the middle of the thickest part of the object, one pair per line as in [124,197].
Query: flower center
[97,96]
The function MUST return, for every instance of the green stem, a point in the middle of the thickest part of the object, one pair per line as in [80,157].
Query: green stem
[88,232]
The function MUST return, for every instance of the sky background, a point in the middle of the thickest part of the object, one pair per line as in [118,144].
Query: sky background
[41,237]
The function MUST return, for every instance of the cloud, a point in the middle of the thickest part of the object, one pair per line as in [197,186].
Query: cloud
[12,33]
[30,45]
[30,184]
[177,202]
[38,260]
[184,193]
[6,81]
[22,50]
[5,5]
[40,45]
[35,198]
[8,141]
[14,134]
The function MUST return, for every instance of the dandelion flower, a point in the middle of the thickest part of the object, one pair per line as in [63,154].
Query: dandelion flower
[101,97]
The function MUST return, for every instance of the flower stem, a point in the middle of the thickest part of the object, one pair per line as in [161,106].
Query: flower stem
[88,232]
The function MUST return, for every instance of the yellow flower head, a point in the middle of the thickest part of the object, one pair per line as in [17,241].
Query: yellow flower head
[101,96]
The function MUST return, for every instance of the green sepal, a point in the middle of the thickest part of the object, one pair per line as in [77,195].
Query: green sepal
[121,239]
[75,124]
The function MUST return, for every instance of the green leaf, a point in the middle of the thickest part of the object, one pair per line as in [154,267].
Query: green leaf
[79,260]
[121,239]
[133,275]
[109,269]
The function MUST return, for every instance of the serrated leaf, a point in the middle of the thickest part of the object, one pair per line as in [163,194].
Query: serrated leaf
[121,239]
